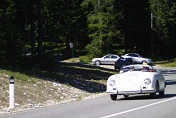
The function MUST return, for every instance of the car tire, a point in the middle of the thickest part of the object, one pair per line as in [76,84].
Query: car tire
[113,96]
[116,68]
[97,63]
[126,96]
[161,93]
[153,95]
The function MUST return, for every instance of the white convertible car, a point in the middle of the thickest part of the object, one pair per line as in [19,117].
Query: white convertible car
[136,79]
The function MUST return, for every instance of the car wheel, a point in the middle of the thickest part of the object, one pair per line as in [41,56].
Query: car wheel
[161,93]
[116,68]
[113,96]
[153,95]
[126,96]
[97,63]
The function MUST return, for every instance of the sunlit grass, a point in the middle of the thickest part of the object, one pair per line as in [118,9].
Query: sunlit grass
[17,75]
[167,63]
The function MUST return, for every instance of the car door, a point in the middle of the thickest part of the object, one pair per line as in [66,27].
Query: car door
[136,58]
[112,59]
[105,59]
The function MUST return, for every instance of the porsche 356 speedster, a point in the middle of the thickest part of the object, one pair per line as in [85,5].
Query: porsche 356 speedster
[136,79]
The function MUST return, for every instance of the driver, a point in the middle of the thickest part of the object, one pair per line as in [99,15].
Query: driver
[131,69]
[145,69]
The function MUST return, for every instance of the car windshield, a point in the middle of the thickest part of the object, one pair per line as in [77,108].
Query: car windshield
[114,57]
[122,59]
[133,55]
[136,68]
[110,56]
[107,56]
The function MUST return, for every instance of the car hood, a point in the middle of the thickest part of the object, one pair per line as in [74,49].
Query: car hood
[132,75]
[130,80]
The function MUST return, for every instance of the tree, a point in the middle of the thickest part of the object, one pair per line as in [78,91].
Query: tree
[134,25]
[101,19]
[164,26]
[64,24]
[11,42]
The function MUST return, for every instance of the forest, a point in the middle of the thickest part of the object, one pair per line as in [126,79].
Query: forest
[39,30]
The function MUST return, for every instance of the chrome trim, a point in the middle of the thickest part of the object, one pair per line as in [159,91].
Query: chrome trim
[130,92]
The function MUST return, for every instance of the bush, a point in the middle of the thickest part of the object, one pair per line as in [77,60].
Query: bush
[85,59]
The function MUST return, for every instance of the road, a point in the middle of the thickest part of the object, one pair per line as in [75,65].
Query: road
[138,106]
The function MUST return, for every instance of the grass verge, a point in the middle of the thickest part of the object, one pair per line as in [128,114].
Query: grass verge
[167,63]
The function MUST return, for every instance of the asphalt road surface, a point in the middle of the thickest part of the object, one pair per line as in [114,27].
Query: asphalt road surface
[138,106]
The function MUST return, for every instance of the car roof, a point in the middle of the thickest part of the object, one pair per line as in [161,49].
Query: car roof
[132,53]
[125,57]
[111,54]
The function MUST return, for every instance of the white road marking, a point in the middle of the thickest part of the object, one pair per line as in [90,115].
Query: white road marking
[127,111]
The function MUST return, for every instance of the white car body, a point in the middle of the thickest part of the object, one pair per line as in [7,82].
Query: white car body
[137,58]
[107,59]
[136,82]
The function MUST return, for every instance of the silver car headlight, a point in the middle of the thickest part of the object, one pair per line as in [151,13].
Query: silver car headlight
[147,81]
[112,83]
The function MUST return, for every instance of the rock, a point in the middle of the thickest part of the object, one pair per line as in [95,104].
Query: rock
[16,104]
[54,84]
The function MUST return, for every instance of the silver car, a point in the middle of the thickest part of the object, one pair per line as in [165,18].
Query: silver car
[137,58]
[107,59]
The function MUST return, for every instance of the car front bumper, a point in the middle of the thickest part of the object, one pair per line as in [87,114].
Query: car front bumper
[131,92]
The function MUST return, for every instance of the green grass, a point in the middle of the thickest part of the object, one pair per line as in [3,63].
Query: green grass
[167,63]
[17,75]
[85,59]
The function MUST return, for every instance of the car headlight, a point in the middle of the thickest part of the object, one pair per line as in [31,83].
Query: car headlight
[147,81]
[111,83]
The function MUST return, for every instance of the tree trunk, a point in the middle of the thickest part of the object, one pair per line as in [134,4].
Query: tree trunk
[40,30]
[32,27]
